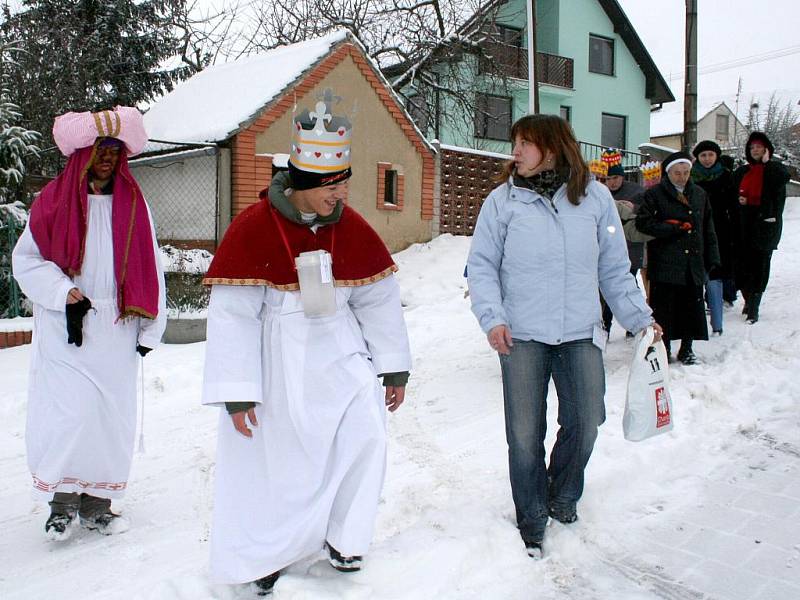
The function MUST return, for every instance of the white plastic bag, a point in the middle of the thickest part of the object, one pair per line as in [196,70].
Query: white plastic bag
[648,406]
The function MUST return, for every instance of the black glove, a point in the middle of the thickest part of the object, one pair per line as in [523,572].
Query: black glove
[143,350]
[75,314]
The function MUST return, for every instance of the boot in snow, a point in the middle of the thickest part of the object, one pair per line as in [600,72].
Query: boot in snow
[107,523]
[562,514]
[345,564]
[534,549]
[59,527]
[755,304]
[265,584]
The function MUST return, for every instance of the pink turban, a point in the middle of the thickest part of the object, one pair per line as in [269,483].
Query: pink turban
[72,130]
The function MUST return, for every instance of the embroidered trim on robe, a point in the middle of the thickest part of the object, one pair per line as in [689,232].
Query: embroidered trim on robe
[253,251]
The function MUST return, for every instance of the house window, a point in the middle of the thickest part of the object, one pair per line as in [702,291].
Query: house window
[502,52]
[566,113]
[509,36]
[613,132]
[601,55]
[391,187]
[723,126]
[493,117]
[418,109]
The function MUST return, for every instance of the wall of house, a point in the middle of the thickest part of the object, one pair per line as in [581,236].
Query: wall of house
[707,128]
[182,194]
[670,141]
[377,138]
[621,94]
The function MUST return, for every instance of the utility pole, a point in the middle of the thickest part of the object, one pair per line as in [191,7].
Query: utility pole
[690,84]
[736,117]
[533,84]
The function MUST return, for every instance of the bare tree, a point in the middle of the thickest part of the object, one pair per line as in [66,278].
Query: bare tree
[433,51]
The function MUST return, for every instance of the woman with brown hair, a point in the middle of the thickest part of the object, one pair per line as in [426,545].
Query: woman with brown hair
[545,240]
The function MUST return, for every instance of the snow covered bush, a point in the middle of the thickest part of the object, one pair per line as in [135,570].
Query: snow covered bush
[13,217]
[184,270]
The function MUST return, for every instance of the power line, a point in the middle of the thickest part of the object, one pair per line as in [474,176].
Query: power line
[741,62]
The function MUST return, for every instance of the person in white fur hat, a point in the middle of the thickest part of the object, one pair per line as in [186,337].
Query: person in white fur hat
[89,262]
[677,213]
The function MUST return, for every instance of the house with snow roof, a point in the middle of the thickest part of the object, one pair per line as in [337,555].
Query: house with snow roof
[215,136]
[716,121]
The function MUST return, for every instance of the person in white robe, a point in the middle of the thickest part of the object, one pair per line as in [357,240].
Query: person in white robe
[302,446]
[89,263]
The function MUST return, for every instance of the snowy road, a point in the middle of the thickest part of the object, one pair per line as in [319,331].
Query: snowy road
[710,510]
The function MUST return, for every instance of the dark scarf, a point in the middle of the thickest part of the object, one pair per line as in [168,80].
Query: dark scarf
[278,198]
[546,183]
[700,174]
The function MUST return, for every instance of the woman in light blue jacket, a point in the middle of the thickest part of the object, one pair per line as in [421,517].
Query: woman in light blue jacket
[545,240]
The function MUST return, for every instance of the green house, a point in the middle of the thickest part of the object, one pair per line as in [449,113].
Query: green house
[592,69]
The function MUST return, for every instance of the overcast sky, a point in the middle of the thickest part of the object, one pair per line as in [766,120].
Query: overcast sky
[727,30]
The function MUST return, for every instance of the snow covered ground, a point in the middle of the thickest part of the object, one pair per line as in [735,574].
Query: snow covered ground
[710,510]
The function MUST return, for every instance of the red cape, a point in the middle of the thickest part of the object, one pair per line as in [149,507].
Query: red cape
[254,250]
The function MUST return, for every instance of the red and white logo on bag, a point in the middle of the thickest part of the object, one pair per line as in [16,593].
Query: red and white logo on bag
[662,407]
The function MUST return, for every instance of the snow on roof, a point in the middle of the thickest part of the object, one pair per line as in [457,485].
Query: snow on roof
[475,151]
[668,120]
[211,105]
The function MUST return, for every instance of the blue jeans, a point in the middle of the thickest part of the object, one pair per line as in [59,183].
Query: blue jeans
[714,290]
[577,370]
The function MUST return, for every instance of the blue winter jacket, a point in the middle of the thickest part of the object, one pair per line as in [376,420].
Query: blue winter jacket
[536,266]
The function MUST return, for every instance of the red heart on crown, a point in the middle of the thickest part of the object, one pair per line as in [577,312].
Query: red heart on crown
[298,149]
[317,154]
[340,131]
[338,155]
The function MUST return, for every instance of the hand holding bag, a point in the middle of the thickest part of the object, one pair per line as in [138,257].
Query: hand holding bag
[648,406]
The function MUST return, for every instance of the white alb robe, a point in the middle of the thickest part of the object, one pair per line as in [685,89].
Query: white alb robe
[314,468]
[82,401]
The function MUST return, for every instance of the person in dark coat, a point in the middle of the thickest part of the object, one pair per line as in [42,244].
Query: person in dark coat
[761,185]
[677,214]
[717,182]
[628,196]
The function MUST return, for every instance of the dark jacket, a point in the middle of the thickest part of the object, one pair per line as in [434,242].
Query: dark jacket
[723,197]
[677,256]
[632,192]
[754,230]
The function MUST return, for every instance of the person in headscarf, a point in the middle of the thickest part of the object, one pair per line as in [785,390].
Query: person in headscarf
[89,261]
[709,173]
[294,354]
[761,189]
[677,214]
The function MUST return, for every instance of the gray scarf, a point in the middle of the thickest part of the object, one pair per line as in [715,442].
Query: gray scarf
[278,198]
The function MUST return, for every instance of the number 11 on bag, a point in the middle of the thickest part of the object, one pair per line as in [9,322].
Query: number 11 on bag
[648,406]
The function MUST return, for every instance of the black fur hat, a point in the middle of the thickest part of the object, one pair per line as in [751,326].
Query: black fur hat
[707,145]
